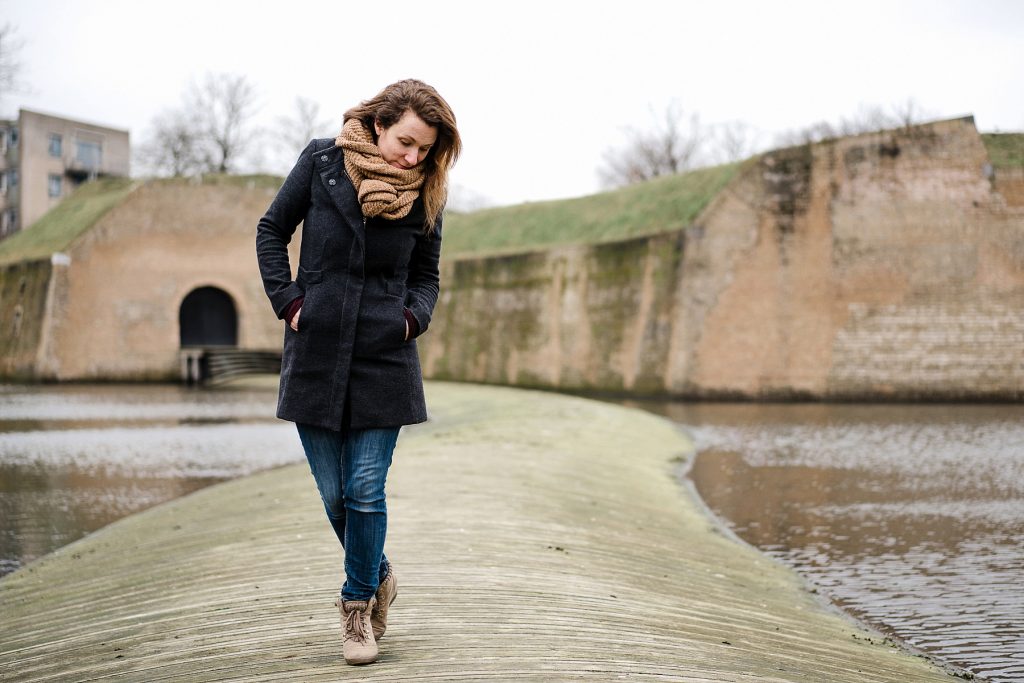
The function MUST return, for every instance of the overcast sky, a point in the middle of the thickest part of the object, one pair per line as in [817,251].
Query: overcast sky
[540,89]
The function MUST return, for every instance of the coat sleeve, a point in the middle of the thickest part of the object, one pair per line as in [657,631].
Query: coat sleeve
[424,277]
[274,231]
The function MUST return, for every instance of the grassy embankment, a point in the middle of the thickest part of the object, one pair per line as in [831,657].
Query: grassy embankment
[659,205]
[60,226]
[1005,149]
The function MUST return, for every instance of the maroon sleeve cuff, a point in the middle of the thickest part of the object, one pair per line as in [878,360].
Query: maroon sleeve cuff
[414,327]
[291,309]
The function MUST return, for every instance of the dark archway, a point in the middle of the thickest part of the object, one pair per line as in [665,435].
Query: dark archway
[207,318]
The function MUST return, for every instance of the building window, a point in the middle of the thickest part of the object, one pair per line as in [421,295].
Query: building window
[89,154]
[12,178]
[56,145]
[8,222]
[55,185]
[13,135]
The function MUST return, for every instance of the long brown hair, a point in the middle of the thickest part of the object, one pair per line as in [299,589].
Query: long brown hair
[388,107]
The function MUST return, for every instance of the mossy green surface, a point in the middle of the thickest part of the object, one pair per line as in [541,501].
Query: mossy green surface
[59,227]
[23,291]
[1005,149]
[658,205]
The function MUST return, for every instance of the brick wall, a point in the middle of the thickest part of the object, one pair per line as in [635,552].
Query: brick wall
[885,265]
[115,299]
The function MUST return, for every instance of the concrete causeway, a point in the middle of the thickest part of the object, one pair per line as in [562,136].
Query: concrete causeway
[535,537]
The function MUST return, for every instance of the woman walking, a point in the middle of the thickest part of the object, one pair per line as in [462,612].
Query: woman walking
[370,202]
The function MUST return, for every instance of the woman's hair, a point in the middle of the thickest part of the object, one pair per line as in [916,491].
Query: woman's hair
[411,95]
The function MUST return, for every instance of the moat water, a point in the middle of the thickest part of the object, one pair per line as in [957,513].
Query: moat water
[910,517]
[75,458]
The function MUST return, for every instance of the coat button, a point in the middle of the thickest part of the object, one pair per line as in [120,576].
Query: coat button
[332,181]
[323,157]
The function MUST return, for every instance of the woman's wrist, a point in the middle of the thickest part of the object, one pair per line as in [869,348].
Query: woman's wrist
[412,327]
[291,309]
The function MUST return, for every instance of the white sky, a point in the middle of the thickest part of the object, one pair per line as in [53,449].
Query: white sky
[540,89]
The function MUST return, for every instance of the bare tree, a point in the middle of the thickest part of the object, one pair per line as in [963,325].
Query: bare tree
[293,133]
[816,132]
[222,107]
[733,141]
[10,67]
[670,145]
[867,119]
[174,147]
[208,133]
[910,112]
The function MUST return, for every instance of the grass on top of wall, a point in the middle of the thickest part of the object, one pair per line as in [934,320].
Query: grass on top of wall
[259,181]
[59,226]
[659,205]
[74,215]
[1004,149]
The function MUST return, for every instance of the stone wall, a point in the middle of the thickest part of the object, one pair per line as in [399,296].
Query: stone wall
[885,265]
[108,307]
[24,290]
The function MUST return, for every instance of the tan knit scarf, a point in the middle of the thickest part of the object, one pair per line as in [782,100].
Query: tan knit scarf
[383,190]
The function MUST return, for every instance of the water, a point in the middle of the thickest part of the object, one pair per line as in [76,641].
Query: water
[76,458]
[909,517]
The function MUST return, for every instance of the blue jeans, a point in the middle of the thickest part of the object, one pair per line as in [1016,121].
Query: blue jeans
[350,468]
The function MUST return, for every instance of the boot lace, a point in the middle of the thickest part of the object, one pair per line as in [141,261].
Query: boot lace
[355,627]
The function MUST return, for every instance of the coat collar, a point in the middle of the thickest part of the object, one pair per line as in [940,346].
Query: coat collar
[329,164]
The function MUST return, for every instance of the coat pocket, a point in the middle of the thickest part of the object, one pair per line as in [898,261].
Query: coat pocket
[306,276]
[381,327]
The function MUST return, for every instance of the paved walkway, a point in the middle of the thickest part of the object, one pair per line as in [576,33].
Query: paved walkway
[535,537]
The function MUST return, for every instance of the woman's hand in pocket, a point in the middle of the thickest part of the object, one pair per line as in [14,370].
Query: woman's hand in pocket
[295,320]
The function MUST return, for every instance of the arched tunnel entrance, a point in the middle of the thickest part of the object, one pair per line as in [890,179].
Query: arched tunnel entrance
[207,318]
[208,325]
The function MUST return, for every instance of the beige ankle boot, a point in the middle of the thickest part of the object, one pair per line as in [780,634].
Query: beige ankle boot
[358,644]
[387,591]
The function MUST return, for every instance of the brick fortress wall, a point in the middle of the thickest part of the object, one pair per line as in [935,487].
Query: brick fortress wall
[885,265]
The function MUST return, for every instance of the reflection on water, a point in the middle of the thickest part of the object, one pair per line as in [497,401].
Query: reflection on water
[909,517]
[75,458]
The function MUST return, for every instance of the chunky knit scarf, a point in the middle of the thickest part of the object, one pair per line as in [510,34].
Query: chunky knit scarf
[383,190]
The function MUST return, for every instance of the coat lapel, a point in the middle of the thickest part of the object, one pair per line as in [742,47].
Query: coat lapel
[341,190]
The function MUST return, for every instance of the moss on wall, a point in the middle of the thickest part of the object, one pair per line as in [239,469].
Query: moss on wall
[771,303]
[23,290]
[1006,150]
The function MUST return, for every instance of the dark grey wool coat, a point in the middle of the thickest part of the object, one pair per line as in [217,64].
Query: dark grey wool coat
[357,275]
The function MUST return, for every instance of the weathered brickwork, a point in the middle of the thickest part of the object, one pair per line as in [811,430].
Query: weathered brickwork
[886,265]
[23,297]
[108,307]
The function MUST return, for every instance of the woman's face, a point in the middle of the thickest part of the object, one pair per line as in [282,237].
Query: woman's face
[405,144]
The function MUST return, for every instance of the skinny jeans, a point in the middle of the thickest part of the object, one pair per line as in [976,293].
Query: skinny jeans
[350,468]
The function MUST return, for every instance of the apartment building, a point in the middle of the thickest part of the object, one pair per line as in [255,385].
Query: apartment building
[43,158]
